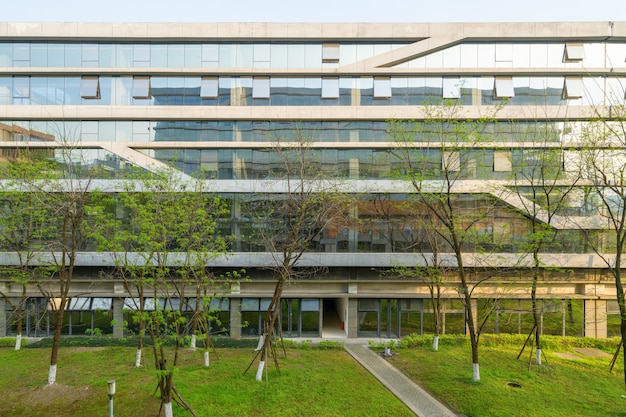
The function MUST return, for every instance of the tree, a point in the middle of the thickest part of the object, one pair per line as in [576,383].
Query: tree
[438,154]
[542,189]
[22,225]
[417,235]
[603,161]
[164,242]
[71,208]
[291,221]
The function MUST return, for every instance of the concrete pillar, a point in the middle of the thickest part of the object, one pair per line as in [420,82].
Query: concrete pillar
[118,317]
[235,318]
[3,317]
[595,318]
[353,317]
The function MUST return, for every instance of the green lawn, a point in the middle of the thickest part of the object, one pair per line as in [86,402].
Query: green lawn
[313,382]
[321,382]
[559,387]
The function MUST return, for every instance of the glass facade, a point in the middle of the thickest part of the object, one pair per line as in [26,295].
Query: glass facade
[311,91]
[486,110]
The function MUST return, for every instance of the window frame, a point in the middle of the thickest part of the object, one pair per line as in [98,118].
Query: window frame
[503,88]
[573,88]
[451,161]
[451,87]
[209,87]
[330,52]
[90,87]
[261,87]
[574,52]
[330,87]
[139,90]
[382,88]
[502,161]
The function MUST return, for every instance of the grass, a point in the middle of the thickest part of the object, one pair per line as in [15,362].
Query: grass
[313,382]
[322,381]
[583,387]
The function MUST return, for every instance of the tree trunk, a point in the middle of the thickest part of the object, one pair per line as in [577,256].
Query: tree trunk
[436,343]
[475,372]
[259,371]
[193,342]
[18,338]
[52,374]
[167,407]
[138,358]
[54,352]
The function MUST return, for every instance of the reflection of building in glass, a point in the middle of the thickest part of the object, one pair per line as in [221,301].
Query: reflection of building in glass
[14,133]
[212,100]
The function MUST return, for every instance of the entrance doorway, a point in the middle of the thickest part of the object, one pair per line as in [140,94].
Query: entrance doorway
[332,324]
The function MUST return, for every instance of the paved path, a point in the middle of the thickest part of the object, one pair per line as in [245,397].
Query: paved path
[418,400]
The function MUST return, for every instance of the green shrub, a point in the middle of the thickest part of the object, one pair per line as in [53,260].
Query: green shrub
[9,342]
[330,344]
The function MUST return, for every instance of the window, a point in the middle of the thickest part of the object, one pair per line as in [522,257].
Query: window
[21,88]
[330,87]
[209,87]
[90,87]
[503,88]
[573,88]
[502,161]
[451,88]
[330,52]
[451,161]
[141,87]
[261,87]
[574,52]
[382,87]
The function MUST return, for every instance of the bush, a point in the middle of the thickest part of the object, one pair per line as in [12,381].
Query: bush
[330,344]
[8,342]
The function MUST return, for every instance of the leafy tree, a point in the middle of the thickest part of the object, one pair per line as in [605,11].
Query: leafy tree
[22,231]
[164,239]
[603,162]
[438,154]
[541,191]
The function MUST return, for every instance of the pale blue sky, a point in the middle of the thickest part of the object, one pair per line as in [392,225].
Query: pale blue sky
[313,10]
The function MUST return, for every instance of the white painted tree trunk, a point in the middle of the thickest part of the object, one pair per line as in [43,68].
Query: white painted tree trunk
[259,346]
[538,356]
[52,375]
[18,342]
[475,372]
[138,358]
[193,342]
[168,409]
[259,371]
[436,343]
[206,358]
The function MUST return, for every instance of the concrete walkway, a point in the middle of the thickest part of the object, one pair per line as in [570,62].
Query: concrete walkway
[418,400]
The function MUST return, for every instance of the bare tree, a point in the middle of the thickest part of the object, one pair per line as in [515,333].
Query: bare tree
[292,220]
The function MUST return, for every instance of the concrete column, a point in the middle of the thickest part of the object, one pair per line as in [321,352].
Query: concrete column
[353,318]
[3,318]
[595,318]
[118,317]
[235,318]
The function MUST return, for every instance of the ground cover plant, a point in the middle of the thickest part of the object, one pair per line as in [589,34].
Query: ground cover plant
[313,381]
[568,383]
